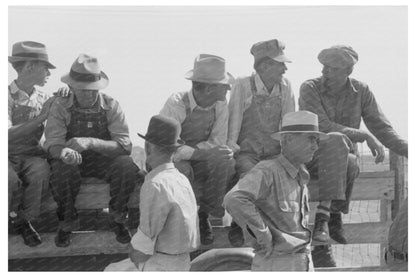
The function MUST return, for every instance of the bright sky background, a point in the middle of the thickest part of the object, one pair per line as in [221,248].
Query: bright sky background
[146,51]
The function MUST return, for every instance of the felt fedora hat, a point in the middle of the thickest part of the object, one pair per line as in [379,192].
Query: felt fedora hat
[300,122]
[86,73]
[30,51]
[270,48]
[163,131]
[209,69]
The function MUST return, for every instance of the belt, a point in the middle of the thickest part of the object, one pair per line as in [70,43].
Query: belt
[396,254]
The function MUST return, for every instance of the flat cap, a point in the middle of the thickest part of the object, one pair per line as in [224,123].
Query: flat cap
[338,56]
[271,48]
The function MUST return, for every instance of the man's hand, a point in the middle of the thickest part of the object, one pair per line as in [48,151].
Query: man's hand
[70,156]
[63,92]
[376,148]
[221,152]
[79,144]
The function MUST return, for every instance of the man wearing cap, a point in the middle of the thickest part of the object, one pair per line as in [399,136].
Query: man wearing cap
[340,103]
[257,105]
[271,201]
[87,136]
[28,109]
[203,115]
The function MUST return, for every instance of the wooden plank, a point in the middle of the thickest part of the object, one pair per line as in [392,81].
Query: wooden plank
[363,268]
[104,242]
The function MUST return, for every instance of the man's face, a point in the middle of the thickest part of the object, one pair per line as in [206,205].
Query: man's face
[274,70]
[38,72]
[303,146]
[334,76]
[217,92]
[86,98]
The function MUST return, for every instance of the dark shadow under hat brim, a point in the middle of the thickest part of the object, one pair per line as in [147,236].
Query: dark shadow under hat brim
[97,85]
[13,59]
[177,144]
[278,135]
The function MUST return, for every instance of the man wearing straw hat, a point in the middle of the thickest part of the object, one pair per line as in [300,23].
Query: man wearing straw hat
[87,136]
[257,105]
[271,201]
[203,115]
[28,108]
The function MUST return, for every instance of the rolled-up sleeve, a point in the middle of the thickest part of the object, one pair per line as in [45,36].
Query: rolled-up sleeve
[154,210]
[239,203]
[117,126]
[219,131]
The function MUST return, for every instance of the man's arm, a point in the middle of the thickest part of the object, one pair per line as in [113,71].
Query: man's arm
[236,111]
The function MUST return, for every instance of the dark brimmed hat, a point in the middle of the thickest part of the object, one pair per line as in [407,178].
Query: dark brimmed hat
[29,51]
[86,73]
[300,122]
[163,131]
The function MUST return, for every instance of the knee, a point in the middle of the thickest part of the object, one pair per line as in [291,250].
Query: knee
[336,142]
[60,170]
[126,163]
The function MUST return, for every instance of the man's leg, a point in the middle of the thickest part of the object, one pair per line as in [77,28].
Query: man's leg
[124,176]
[65,182]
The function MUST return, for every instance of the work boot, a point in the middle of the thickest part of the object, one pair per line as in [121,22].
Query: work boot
[320,230]
[30,236]
[336,231]
[235,235]
[322,256]
[205,229]
[122,233]
[63,238]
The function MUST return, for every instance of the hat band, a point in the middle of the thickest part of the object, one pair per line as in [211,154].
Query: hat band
[300,128]
[82,77]
[32,55]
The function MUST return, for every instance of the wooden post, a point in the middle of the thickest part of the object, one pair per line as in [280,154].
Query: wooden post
[400,193]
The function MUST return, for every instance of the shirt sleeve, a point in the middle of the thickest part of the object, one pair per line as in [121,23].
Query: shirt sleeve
[154,210]
[236,110]
[174,108]
[56,125]
[239,202]
[310,100]
[378,124]
[10,110]
[117,126]
[289,104]
[219,131]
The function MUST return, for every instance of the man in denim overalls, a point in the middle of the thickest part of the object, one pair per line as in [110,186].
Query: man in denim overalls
[87,136]
[257,105]
[203,114]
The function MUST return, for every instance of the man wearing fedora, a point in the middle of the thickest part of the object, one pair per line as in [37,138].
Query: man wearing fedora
[28,108]
[271,201]
[340,103]
[87,136]
[257,105]
[168,229]
[203,115]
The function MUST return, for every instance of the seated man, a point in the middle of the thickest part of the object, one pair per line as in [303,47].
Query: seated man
[270,203]
[203,115]
[87,136]
[28,176]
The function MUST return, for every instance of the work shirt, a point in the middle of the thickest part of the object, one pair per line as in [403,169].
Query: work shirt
[168,213]
[342,112]
[175,107]
[60,117]
[241,99]
[271,201]
[21,109]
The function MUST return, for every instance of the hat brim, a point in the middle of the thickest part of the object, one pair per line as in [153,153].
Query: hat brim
[13,59]
[282,59]
[278,135]
[178,143]
[100,84]
[227,80]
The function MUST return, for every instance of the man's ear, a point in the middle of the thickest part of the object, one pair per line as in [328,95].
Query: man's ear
[28,67]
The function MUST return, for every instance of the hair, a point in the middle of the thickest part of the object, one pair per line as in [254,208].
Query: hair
[165,150]
[198,86]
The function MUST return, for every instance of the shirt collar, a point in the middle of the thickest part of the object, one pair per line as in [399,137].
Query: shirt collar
[158,169]
[15,89]
[288,166]
[193,104]
[260,85]
[101,100]
[350,86]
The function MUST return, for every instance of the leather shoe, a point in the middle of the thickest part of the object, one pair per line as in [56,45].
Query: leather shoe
[63,238]
[122,233]
[235,235]
[320,230]
[336,231]
[205,229]
[322,256]
[30,236]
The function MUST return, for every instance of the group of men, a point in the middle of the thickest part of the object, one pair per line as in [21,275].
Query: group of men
[256,148]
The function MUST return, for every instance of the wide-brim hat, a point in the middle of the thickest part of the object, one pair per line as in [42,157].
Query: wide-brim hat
[30,51]
[209,69]
[163,131]
[86,73]
[338,56]
[270,48]
[300,122]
